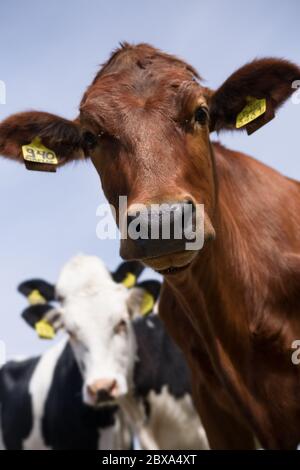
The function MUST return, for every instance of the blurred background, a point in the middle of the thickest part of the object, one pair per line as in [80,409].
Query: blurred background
[50,52]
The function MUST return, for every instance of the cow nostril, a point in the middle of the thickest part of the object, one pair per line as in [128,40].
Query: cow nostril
[130,218]
[103,395]
[159,229]
[189,202]
[103,390]
[190,206]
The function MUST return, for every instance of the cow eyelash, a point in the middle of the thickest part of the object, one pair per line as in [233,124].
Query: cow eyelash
[91,140]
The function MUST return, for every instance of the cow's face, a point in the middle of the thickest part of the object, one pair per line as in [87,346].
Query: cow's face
[96,314]
[148,123]
[145,122]
[95,309]
[103,343]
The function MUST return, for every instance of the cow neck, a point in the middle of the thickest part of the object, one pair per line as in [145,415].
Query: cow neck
[220,290]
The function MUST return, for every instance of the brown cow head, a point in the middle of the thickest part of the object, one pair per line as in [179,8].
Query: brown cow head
[145,121]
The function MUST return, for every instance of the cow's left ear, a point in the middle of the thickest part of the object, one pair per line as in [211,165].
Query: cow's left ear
[143,297]
[128,273]
[37,291]
[249,98]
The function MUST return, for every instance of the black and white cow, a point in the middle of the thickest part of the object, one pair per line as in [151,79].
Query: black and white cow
[126,368]
[41,399]
[42,407]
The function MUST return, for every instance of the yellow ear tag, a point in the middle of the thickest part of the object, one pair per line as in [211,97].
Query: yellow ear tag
[36,152]
[147,303]
[251,111]
[44,329]
[129,280]
[35,298]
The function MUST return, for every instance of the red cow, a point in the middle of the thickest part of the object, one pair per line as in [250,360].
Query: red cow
[233,306]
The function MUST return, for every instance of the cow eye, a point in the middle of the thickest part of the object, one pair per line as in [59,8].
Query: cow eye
[121,327]
[201,115]
[89,140]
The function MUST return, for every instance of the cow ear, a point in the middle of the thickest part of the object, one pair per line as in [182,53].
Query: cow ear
[144,297]
[249,98]
[35,313]
[127,273]
[24,136]
[43,318]
[37,291]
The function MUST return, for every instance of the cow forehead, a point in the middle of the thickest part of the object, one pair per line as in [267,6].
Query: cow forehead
[103,309]
[134,91]
[143,56]
[84,275]
[137,77]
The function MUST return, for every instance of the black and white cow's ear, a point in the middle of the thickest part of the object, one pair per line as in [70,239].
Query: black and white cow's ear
[38,317]
[41,315]
[128,272]
[37,291]
[143,297]
[35,313]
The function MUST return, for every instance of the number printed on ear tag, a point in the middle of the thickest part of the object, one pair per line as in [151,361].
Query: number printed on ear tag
[251,111]
[36,152]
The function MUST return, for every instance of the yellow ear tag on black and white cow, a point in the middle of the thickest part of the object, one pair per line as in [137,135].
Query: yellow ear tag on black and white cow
[147,303]
[251,111]
[129,281]
[44,329]
[35,297]
[39,157]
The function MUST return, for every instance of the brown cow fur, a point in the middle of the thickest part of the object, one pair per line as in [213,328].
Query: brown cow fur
[248,283]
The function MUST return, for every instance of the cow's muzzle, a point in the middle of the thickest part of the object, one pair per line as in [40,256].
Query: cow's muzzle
[103,391]
[158,229]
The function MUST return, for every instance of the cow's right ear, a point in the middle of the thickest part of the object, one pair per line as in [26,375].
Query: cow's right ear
[128,273]
[37,291]
[44,318]
[61,136]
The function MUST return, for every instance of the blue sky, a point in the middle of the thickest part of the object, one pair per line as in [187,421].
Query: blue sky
[50,52]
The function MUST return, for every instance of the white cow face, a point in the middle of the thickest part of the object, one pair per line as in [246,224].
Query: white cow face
[103,342]
[96,313]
